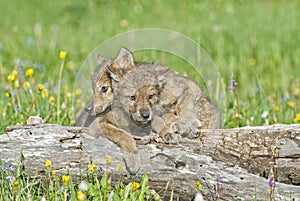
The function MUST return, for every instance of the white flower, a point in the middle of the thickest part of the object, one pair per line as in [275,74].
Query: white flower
[83,186]
[264,114]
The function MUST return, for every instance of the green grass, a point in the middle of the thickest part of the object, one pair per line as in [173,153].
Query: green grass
[256,41]
[93,184]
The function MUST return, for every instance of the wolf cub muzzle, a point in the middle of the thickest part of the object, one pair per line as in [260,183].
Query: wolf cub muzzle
[138,92]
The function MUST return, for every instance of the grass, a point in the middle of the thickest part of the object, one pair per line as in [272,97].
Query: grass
[255,41]
[16,184]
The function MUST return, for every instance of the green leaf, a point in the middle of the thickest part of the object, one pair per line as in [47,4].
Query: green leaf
[127,191]
[103,181]
[143,184]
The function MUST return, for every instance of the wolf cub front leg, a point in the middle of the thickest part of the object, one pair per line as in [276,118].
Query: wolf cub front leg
[126,142]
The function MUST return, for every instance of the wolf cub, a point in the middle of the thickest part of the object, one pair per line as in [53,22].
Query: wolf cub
[135,98]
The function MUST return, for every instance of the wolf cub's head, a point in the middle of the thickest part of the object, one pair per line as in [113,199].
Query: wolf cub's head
[104,79]
[102,87]
[138,92]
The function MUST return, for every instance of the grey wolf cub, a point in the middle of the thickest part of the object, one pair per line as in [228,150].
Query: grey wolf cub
[181,109]
[148,96]
[102,94]
[99,116]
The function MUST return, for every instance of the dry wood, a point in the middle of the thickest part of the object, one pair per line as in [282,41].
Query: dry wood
[242,156]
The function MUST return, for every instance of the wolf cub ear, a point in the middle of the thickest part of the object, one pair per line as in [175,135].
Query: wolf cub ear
[121,65]
[162,75]
[124,59]
[101,59]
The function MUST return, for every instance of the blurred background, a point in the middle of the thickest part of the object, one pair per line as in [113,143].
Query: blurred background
[254,43]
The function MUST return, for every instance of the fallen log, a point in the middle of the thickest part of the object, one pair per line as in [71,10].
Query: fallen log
[241,156]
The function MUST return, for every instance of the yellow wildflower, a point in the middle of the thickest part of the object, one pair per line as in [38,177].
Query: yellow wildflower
[275,106]
[65,87]
[69,95]
[92,167]
[79,102]
[135,186]
[70,65]
[11,77]
[65,179]
[108,160]
[51,99]
[8,94]
[291,104]
[124,23]
[15,184]
[81,195]
[62,55]
[26,85]
[236,115]
[48,164]
[296,91]
[41,87]
[17,84]
[297,118]
[29,72]
[54,173]
[252,61]
[15,73]
[45,93]
[120,168]
[198,185]
[78,92]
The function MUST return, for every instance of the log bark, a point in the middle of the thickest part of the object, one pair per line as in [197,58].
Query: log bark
[242,156]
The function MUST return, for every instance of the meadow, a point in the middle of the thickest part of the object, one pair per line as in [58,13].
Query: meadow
[253,44]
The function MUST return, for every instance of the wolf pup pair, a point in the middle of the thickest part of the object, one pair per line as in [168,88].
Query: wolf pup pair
[138,98]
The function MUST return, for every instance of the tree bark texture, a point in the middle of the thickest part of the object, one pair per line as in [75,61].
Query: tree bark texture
[243,157]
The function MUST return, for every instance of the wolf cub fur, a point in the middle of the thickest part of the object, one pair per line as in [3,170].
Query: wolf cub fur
[135,98]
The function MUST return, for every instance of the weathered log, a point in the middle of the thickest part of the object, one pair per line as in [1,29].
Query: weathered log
[242,156]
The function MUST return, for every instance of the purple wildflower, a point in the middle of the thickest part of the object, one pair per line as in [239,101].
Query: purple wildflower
[271,182]
[233,83]
[218,187]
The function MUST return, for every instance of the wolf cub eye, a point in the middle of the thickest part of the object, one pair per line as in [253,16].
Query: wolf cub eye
[150,96]
[132,98]
[104,89]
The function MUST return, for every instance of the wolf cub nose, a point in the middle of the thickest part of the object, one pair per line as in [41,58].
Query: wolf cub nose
[145,114]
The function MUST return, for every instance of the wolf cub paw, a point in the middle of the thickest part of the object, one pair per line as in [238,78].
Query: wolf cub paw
[195,126]
[171,138]
[133,162]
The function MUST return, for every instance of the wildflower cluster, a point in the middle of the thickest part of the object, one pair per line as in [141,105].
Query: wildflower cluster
[8,167]
[232,84]
[233,88]
[26,94]
[215,192]
[89,187]
[297,119]
[218,187]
